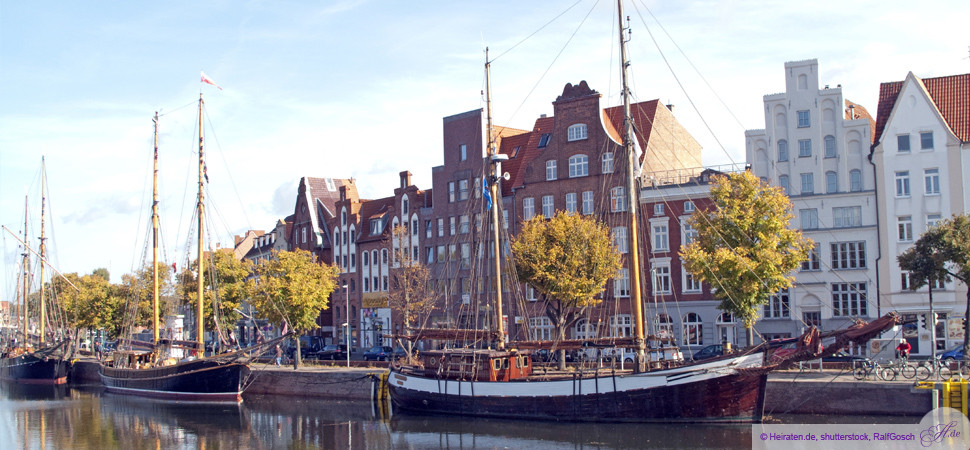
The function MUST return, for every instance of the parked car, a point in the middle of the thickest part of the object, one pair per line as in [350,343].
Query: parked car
[309,346]
[399,352]
[955,353]
[378,353]
[711,351]
[332,352]
[842,356]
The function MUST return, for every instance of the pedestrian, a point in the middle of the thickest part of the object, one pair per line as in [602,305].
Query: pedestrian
[279,355]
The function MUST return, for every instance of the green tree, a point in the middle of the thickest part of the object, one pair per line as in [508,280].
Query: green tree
[744,248]
[567,259]
[136,291]
[293,287]
[92,305]
[412,294]
[941,252]
[226,287]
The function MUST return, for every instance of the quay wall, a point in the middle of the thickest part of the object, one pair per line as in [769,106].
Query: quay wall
[785,394]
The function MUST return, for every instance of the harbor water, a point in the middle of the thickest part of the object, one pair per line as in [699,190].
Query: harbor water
[85,417]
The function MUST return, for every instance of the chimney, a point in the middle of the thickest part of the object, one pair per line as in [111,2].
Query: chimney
[542,116]
[670,106]
[343,192]
[405,179]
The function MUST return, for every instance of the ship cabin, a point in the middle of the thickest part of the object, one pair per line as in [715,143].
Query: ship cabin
[476,365]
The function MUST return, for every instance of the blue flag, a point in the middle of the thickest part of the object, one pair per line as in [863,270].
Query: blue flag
[487,194]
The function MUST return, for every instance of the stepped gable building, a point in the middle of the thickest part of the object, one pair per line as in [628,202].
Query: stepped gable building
[920,156]
[314,217]
[814,146]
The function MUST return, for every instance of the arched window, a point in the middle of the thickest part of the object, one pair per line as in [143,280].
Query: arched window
[782,150]
[829,146]
[578,166]
[855,180]
[343,217]
[365,258]
[585,330]
[693,329]
[576,132]
[404,205]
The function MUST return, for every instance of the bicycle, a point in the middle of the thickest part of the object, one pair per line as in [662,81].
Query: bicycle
[897,367]
[866,368]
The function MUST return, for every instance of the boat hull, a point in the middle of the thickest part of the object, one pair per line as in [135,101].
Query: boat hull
[198,380]
[728,390]
[32,369]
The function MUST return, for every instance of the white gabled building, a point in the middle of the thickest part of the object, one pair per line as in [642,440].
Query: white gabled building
[815,145]
[923,172]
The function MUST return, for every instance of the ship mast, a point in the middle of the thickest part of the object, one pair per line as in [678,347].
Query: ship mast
[26,267]
[155,235]
[633,197]
[43,205]
[201,212]
[496,174]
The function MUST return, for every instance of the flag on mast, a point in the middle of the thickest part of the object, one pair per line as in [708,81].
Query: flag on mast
[206,79]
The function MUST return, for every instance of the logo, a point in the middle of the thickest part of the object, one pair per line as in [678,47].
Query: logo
[944,428]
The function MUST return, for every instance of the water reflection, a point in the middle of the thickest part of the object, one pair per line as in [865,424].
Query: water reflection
[54,417]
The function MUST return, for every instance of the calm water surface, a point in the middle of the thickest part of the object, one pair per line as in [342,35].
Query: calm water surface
[46,417]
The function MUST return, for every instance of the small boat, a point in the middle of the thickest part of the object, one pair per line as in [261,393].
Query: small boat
[41,357]
[161,369]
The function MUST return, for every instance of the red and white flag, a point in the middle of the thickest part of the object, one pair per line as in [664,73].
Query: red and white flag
[206,79]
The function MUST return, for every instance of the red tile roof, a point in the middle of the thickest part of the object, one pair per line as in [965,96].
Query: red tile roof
[860,112]
[950,94]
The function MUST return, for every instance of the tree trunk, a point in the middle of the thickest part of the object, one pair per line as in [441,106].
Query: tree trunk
[966,328]
[297,357]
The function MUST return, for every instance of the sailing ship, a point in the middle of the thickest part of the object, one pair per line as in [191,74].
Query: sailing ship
[502,382]
[41,357]
[157,369]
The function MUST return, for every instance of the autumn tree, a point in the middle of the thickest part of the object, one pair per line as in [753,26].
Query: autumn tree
[134,309]
[745,248]
[292,286]
[567,259]
[941,252]
[411,293]
[92,303]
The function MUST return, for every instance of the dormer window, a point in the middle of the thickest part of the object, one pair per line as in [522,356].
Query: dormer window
[544,140]
[375,227]
[576,132]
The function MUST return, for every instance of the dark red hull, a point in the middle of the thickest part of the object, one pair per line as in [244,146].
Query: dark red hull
[31,369]
[199,380]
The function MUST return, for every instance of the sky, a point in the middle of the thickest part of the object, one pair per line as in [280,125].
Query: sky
[358,88]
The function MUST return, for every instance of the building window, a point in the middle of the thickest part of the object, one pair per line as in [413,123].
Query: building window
[782,150]
[693,329]
[931,220]
[688,233]
[548,207]
[691,282]
[829,146]
[430,254]
[621,284]
[465,225]
[688,206]
[607,162]
[932,181]
[462,189]
[618,199]
[849,299]
[926,140]
[576,132]
[571,202]
[544,140]
[803,119]
[621,325]
[477,188]
[831,182]
[463,152]
[778,306]
[812,318]
[451,226]
[587,202]
[809,218]
[442,255]
[849,255]
[855,180]
[540,328]
[661,279]
[364,259]
[902,183]
[661,237]
[814,259]
[530,293]
[849,216]
[783,183]
[658,209]
[551,170]
[905,283]
[902,143]
[808,183]
[804,148]
[451,192]
[528,208]
[578,166]
[428,232]
[441,227]
[904,227]
[620,239]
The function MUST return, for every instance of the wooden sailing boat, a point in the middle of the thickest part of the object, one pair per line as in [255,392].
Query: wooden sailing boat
[501,382]
[36,359]
[153,371]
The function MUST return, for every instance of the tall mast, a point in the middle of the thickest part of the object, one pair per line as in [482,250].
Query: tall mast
[26,267]
[201,210]
[155,234]
[633,197]
[496,169]
[43,205]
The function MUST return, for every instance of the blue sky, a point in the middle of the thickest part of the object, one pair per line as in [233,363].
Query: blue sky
[359,88]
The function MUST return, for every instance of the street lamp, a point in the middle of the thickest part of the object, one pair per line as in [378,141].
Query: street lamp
[347,336]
